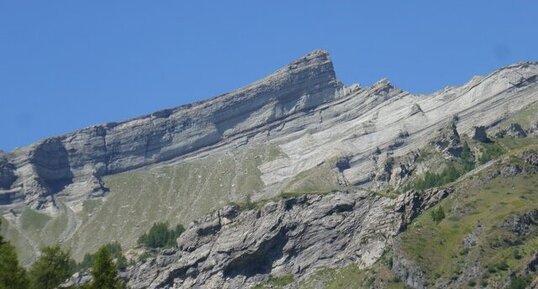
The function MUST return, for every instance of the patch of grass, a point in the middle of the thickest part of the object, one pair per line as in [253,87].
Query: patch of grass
[437,248]
[320,179]
[490,151]
[276,281]
[33,220]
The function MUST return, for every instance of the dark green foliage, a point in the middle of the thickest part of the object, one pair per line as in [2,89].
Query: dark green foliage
[104,272]
[160,236]
[52,268]
[438,214]
[431,180]
[516,254]
[115,252]
[471,283]
[467,158]
[1,238]
[12,275]
[503,266]
[489,152]
[518,283]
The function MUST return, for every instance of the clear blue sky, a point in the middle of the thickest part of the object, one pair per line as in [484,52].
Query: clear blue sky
[69,64]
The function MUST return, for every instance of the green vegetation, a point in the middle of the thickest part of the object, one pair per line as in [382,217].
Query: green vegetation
[12,275]
[52,268]
[104,272]
[175,194]
[437,214]
[31,219]
[319,179]
[438,247]
[178,193]
[431,180]
[276,282]
[115,251]
[490,151]
[352,277]
[519,283]
[159,236]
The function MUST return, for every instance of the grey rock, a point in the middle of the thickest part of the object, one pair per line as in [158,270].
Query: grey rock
[510,170]
[164,135]
[7,172]
[298,235]
[301,109]
[471,239]
[530,157]
[480,134]
[416,109]
[405,269]
[448,141]
[523,224]
[514,130]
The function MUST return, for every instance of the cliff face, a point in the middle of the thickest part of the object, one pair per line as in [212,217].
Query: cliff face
[298,130]
[36,172]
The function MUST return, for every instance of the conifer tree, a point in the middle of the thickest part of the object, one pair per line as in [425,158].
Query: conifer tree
[51,269]
[12,275]
[105,275]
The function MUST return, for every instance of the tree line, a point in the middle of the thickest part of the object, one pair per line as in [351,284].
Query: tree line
[55,265]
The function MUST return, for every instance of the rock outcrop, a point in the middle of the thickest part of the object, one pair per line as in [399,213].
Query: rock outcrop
[48,166]
[301,110]
[448,141]
[480,134]
[513,130]
[234,249]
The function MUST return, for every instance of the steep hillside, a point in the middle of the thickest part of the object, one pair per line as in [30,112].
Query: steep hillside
[297,131]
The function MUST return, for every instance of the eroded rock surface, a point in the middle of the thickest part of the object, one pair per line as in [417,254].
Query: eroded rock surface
[232,249]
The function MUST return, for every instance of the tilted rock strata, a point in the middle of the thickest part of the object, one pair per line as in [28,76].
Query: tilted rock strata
[44,168]
[232,249]
[301,110]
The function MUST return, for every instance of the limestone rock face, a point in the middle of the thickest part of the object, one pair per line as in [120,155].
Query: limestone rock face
[301,110]
[232,249]
[46,167]
[448,141]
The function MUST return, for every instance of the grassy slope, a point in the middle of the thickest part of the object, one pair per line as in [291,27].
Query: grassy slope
[177,194]
[438,249]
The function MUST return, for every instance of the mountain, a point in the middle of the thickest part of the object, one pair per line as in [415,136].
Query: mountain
[295,179]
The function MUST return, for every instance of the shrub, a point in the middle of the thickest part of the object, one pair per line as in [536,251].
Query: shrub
[518,283]
[51,268]
[438,214]
[431,180]
[115,251]
[159,236]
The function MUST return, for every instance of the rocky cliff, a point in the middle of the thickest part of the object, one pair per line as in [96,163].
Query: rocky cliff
[297,131]
[36,172]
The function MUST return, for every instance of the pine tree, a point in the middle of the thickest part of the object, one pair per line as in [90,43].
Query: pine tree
[105,275]
[51,269]
[12,275]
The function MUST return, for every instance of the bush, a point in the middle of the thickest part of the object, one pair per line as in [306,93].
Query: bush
[115,251]
[159,236]
[489,152]
[51,268]
[438,214]
[431,180]
[503,266]
[518,283]
[516,254]
[104,271]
